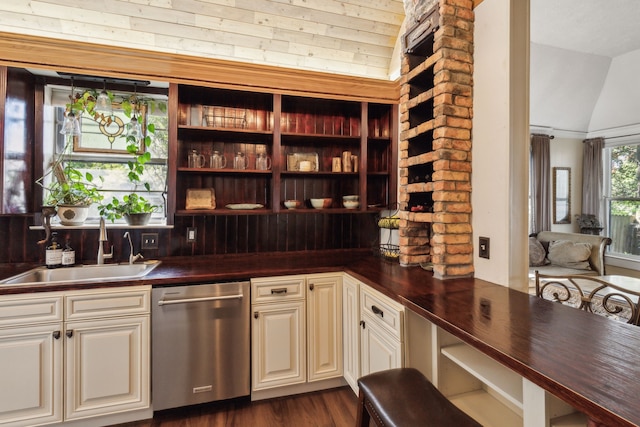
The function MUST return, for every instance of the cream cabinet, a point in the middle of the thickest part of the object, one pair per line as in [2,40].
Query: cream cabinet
[74,355]
[324,326]
[31,385]
[351,330]
[382,334]
[278,333]
[296,334]
[373,330]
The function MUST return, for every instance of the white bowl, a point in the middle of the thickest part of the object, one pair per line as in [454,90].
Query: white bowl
[321,203]
[351,204]
[293,204]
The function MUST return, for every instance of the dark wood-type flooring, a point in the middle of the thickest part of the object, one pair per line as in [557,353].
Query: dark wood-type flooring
[327,408]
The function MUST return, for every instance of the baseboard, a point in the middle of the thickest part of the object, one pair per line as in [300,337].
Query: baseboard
[297,389]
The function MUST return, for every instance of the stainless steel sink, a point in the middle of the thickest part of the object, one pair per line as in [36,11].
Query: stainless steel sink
[83,273]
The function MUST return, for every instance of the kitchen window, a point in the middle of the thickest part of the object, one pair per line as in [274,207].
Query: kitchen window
[107,160]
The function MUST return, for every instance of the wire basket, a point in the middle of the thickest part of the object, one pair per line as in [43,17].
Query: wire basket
[389,251]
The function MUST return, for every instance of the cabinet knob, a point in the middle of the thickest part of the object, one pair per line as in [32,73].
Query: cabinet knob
[256,314]
[362,324]
[311,286]
[69,333]
[56,335]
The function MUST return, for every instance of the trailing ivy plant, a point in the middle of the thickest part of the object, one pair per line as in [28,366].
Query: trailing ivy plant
[134,203]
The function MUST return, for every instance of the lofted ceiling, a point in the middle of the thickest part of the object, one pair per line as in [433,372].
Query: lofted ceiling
[584,58]
[605,28]
[350,37]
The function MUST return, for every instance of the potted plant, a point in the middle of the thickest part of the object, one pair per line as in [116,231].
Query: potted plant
[71,191]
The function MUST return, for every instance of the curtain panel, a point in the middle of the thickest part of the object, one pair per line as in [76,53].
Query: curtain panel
[540,187]
[592,176]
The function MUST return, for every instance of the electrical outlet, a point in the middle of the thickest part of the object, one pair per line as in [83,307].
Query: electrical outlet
[483,245]
[149,240]
[192,232]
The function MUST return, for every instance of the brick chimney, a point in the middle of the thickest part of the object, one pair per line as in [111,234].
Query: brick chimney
[435,144]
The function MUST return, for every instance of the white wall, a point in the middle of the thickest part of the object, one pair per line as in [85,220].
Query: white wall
[567,152]
[500,140]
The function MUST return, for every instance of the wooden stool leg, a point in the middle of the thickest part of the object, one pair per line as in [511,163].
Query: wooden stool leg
[362,419]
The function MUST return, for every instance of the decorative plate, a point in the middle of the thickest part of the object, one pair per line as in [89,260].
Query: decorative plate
[239,206]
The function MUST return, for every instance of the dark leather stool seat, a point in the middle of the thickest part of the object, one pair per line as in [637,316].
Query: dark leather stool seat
[404,398]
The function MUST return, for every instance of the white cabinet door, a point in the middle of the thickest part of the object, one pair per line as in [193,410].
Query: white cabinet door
[324,326]
[107,366]
[379,350]
[30,375]
[278,344]
[351,331]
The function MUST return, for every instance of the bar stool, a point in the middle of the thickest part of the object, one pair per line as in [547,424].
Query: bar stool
[404,397]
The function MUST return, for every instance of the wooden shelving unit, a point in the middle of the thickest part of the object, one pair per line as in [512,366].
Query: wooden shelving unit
[232,121]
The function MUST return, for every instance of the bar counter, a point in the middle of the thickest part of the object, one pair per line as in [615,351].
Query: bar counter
[586,360]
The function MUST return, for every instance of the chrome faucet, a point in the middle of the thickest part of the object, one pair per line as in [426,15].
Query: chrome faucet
[132,258]
[103,238]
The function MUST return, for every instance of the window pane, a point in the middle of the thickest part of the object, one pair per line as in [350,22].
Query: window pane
[624,200]
[624,226]
[624,171]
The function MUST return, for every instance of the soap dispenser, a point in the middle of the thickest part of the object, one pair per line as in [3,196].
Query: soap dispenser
[53,254]
[68,254]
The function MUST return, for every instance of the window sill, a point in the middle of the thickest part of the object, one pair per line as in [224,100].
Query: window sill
[629,262]
[109,225]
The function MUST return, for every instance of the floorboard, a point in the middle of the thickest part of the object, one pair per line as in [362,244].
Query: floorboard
[327,408]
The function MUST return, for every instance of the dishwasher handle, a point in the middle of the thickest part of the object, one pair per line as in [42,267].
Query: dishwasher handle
[201,299]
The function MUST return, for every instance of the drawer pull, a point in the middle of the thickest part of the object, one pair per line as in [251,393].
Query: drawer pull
[377,311]
[362,324]
[56,335]
[311,286]
[69,333]
[279,291]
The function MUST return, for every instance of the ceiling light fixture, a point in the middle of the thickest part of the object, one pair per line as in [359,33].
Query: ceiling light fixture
[71,124]
[103,102]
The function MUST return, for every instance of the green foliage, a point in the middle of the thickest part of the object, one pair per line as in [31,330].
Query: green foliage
[624,171]
[624,179]
[130,203]
[70,186]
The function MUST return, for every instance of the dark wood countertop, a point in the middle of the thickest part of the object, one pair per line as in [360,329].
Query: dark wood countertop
[586,360]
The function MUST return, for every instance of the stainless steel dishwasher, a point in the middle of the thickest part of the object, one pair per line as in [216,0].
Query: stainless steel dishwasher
[200,343]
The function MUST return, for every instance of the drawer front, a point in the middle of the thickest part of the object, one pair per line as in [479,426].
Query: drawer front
[108,303]
[386,312]
[21,310]
[273,289]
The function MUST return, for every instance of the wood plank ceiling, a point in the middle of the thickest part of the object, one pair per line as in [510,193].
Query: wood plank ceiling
[348,37]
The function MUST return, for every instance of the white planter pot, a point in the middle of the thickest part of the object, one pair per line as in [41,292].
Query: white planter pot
[72,215]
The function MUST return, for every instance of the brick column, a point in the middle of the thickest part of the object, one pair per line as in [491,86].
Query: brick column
[452,245]
[448,243]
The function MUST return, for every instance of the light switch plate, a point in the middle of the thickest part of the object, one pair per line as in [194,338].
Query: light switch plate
[483,247]
[192,233]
